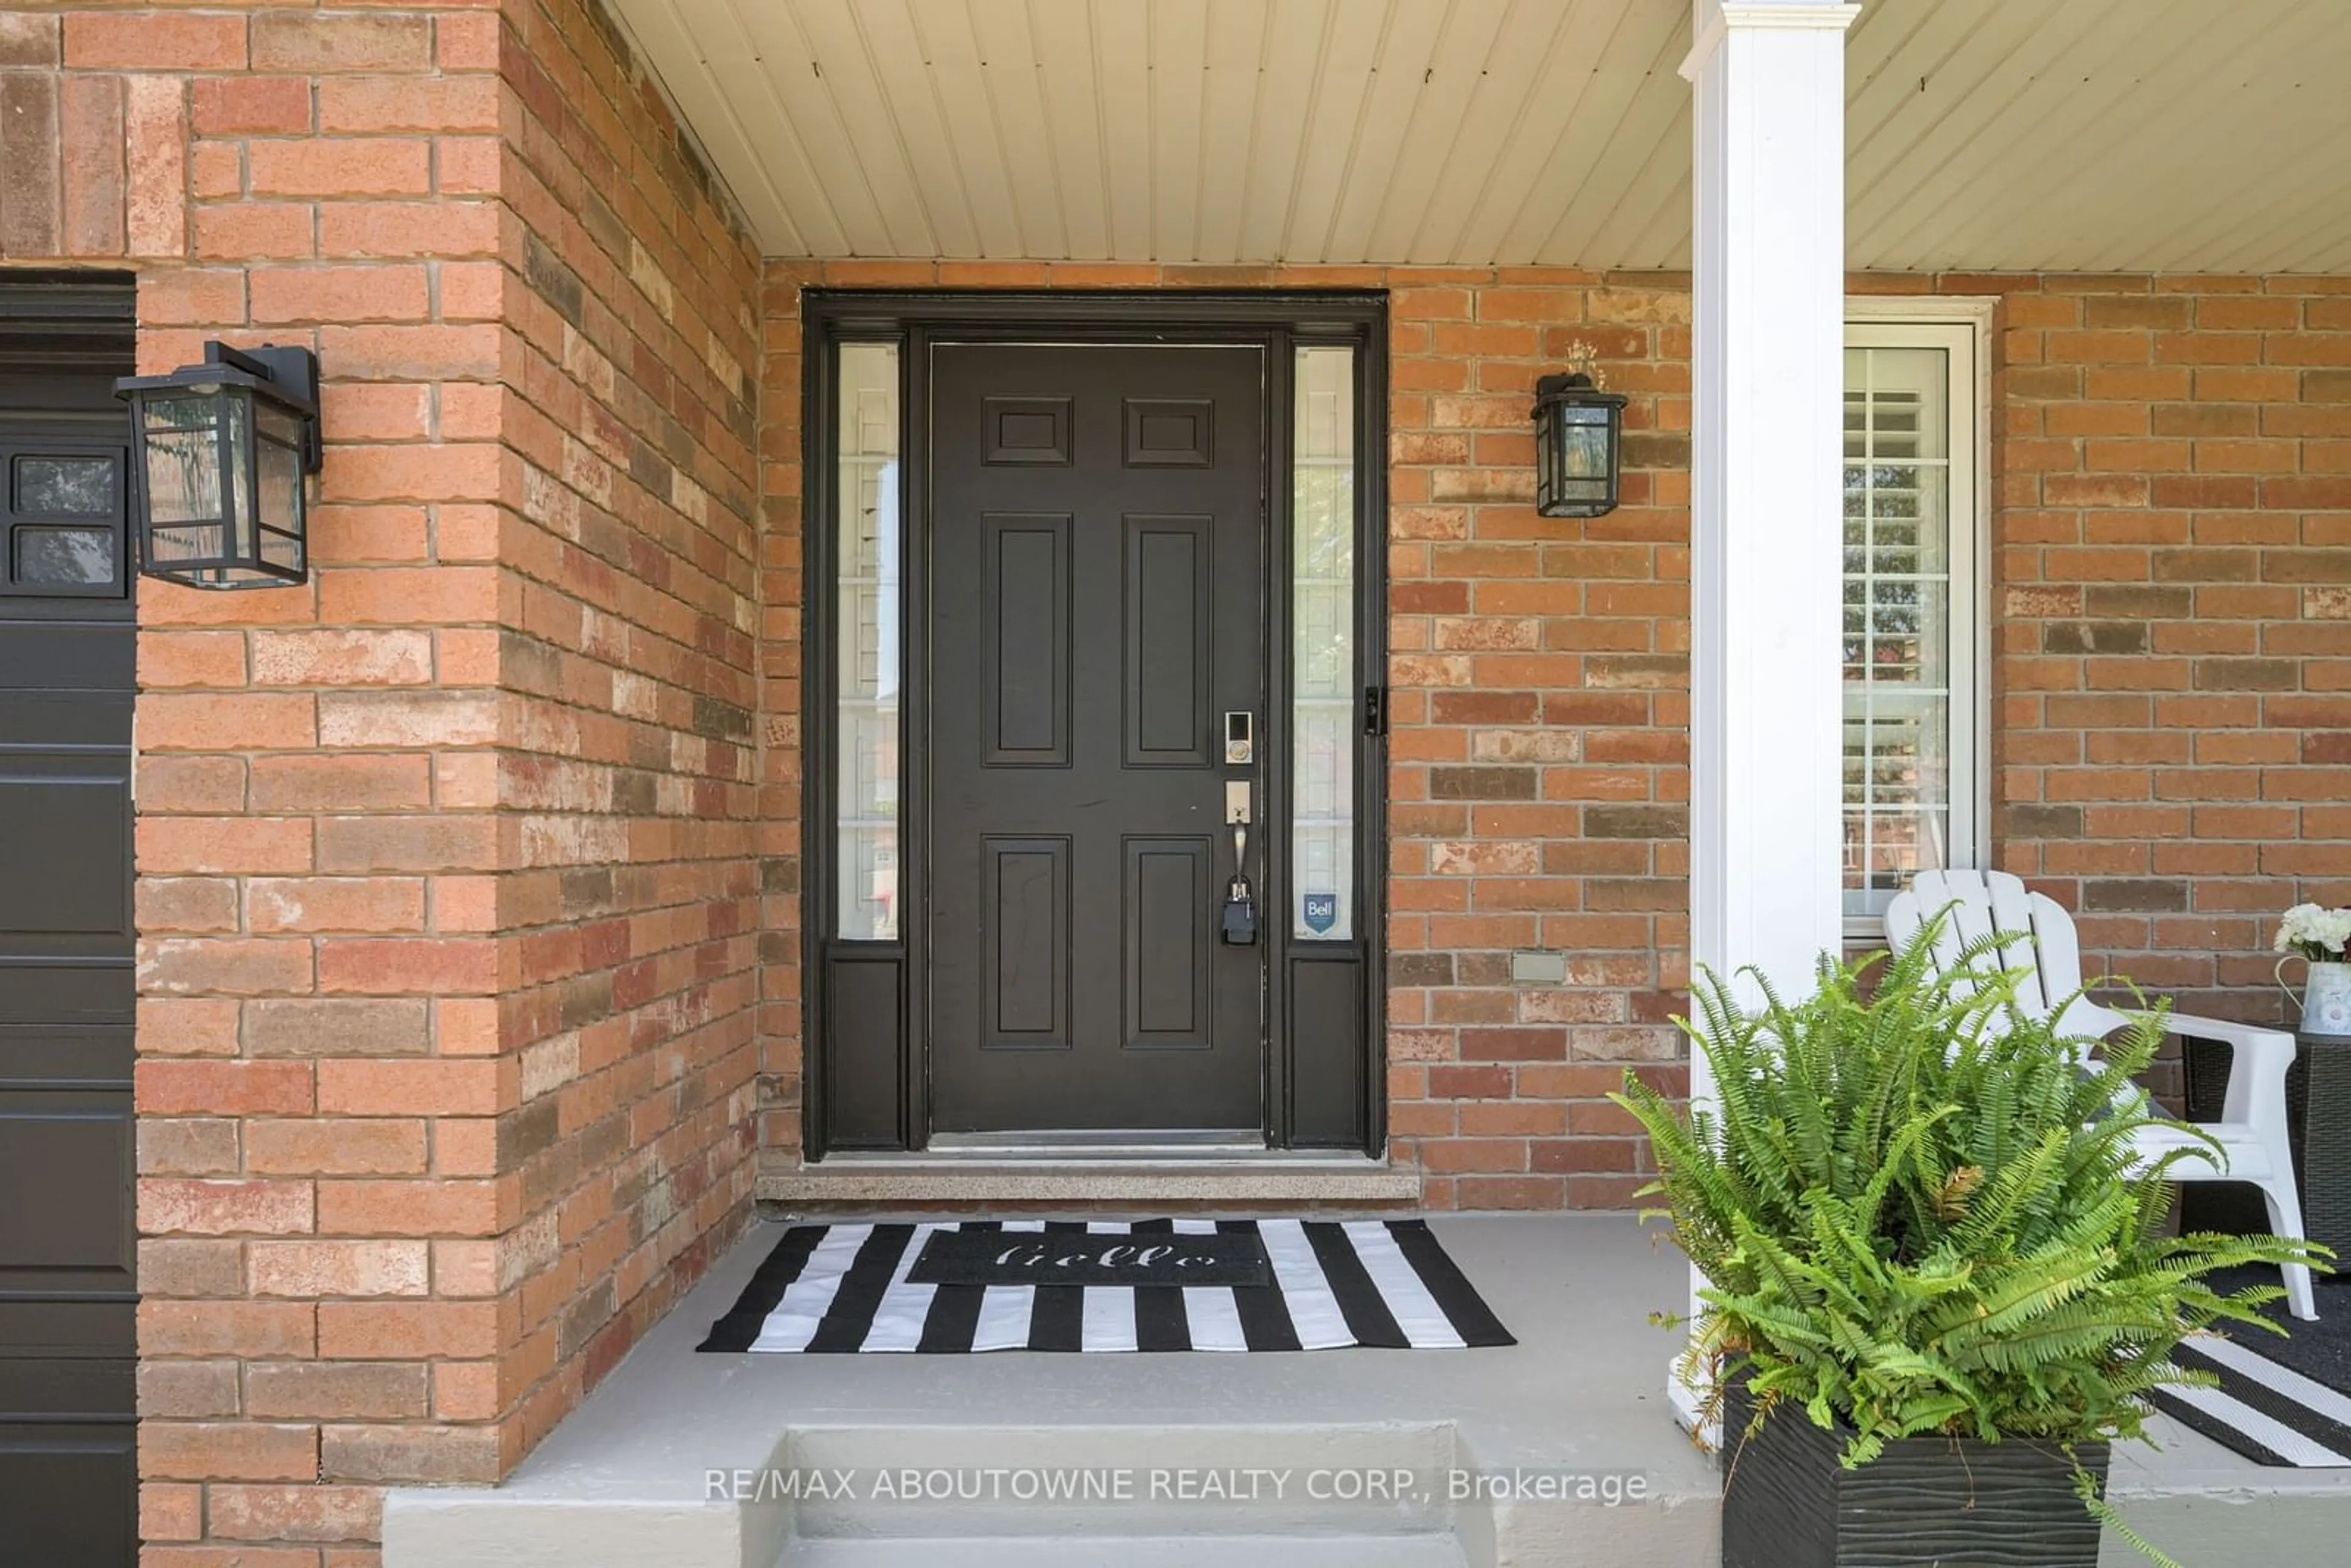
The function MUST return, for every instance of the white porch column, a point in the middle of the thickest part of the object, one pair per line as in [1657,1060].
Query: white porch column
[1768,116]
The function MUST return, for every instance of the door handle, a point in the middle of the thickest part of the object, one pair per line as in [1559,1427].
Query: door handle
[1237,817]
[1238,924]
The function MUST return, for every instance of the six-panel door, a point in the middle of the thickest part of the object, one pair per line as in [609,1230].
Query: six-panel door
[1098,563]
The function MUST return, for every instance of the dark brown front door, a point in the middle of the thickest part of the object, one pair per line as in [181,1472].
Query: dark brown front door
[1098,580]
[67,1291]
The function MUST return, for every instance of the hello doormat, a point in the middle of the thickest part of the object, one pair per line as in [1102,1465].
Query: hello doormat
[1101,1285]
[1170,1257]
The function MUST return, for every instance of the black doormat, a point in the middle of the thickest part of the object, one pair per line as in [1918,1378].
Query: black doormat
[1010,1258]
[2281,1401]
[838,1288]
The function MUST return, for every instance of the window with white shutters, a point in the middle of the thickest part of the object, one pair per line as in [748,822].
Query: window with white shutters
[1913,773]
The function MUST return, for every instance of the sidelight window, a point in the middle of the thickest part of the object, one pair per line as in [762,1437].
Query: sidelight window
[1914,758]
[869,530]
[1323,680]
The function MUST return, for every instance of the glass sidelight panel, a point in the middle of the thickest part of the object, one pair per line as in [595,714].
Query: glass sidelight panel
[866,648]
[1323,679]
[1907,616]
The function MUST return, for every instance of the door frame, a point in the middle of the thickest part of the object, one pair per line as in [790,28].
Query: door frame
[879,1100]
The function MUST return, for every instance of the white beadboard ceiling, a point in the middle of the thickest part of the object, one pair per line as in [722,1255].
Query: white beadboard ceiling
[2077,135]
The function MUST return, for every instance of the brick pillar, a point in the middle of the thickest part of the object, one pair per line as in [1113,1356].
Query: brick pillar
[632,748]
[321,1082]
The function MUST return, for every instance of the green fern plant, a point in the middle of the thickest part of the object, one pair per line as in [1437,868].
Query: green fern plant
[1918,1212]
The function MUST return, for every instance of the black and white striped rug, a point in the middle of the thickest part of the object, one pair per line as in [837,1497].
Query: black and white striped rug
[2263,1409]
[844,1288]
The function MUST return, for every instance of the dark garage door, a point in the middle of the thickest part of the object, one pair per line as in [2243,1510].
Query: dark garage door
[67,1475]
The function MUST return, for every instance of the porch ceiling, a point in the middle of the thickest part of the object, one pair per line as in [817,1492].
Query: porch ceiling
[2080,135]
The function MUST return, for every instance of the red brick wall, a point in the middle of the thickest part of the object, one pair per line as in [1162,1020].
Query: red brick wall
[2172,592]
[1539,762]
[446,919]
[630,773]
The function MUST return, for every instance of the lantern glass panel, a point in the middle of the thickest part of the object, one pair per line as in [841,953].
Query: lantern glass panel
[1576,467]
[184,476]
[278,489]
[237,417]
[1583,442]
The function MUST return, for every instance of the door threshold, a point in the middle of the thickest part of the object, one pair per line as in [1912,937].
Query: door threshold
[1189,1174]
[945,1155]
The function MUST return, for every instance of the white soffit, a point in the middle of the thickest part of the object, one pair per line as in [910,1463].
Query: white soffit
[2078,135]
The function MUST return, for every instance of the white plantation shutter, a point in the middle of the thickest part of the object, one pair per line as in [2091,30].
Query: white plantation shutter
[1913,610]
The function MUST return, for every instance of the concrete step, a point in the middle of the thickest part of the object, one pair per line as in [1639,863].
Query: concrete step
[1353,1480]
[1439,1551]
[1170,1494]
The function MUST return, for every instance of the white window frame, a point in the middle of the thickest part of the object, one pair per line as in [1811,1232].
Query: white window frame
[1961,326]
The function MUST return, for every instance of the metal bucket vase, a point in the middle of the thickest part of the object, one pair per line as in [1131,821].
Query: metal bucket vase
[2325,998]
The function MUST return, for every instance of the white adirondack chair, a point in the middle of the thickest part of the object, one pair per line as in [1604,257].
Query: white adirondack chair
[2251,1131]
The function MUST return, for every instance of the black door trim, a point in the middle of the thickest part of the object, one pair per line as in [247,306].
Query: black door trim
[878,1099]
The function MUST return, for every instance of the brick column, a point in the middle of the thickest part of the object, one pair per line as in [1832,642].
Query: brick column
[323,1183]
[630,768]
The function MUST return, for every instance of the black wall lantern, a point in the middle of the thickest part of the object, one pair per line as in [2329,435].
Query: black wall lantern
[1579,432]
[221,452]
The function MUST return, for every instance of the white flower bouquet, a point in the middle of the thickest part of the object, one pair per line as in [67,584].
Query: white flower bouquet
[2318,934]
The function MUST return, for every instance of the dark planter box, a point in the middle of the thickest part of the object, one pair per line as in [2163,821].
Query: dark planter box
[1926,1502]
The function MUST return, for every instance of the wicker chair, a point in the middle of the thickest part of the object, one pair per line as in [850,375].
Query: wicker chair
[2251,1131]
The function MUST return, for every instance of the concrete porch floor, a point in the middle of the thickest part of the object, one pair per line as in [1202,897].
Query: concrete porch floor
[626,1481]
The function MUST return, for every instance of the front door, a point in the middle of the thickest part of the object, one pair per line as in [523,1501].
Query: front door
[1097,590]
[67,1287]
